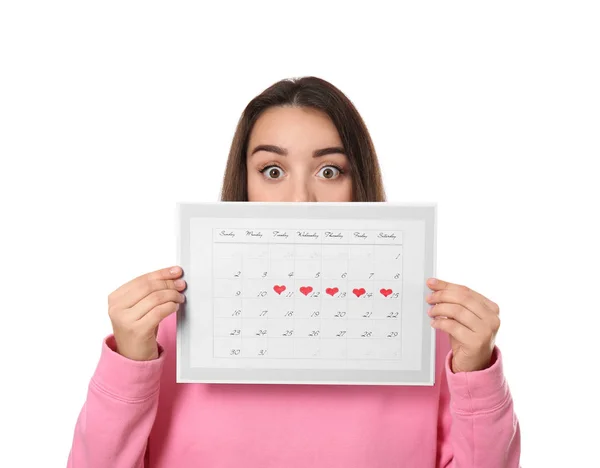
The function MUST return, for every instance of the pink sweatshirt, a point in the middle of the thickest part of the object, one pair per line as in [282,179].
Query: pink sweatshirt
[135,415]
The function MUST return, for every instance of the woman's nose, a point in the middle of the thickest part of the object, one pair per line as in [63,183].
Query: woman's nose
[301,191]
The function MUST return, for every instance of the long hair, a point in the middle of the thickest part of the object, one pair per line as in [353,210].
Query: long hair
[311,92]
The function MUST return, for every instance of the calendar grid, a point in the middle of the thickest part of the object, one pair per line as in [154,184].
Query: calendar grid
[268,340]
[317,337]
[372,288]
[320,289]
[295,296]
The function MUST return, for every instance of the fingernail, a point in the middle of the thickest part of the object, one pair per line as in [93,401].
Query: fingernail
[179,283]
[432,281]
[174,270]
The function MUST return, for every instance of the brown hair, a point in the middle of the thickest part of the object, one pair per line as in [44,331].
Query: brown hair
[318,94]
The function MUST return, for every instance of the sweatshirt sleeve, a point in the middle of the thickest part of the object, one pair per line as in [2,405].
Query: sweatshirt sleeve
[478,426]
[116,419]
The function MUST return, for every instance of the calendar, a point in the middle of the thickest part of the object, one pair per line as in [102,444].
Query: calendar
[306,293]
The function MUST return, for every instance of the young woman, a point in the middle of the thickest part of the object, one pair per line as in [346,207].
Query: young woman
[300,140]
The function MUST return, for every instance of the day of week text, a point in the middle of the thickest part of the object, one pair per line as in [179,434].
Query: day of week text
[307,234]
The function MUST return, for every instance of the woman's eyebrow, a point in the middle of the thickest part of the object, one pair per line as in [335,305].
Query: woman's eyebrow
[330,150]
[270,149]
[283,152]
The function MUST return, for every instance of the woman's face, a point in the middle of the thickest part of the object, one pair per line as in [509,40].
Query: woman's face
[295,154]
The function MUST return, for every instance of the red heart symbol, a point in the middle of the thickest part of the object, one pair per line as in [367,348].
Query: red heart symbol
[385,292]
[306,289]
[359,292]
[331,291]
[279,289]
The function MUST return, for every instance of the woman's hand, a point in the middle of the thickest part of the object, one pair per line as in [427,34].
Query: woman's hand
[470,319]
[137,307]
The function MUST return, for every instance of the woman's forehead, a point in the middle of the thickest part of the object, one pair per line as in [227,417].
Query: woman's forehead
[294,126]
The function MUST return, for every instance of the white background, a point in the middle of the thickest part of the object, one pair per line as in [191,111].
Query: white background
[110,112]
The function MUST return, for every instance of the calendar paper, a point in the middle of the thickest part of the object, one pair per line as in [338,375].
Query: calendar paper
[306,293]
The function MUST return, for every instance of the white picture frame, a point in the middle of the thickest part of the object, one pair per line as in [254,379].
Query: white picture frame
[220,336]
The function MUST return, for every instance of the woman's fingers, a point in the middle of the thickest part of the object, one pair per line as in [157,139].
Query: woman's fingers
[457,312]
[137,289]
[444,291]
[157,314]
[136,309]
[455,329]
[153,300]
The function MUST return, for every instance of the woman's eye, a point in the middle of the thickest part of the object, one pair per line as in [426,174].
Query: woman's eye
[272,172]
[329,172]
